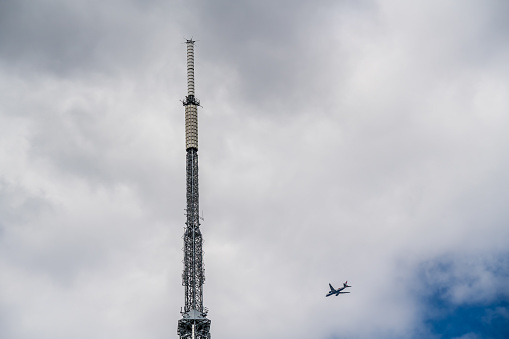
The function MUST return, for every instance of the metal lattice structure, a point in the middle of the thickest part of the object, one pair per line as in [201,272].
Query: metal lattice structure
[194,323]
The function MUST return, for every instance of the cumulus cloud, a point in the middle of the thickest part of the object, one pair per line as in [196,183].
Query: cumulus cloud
[338,141]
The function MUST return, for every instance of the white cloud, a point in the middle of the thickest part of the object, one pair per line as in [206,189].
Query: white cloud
[336,142]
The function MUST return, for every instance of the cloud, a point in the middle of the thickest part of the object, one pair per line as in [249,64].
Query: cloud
[338,141]
[80,38]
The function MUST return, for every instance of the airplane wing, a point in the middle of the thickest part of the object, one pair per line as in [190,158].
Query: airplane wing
[331,288]
[343,292]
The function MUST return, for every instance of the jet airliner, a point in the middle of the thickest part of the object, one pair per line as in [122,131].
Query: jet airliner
[338,291]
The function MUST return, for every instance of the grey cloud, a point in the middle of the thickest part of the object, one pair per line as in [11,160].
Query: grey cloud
[68,38]
[468,336]
[331,148]
[467,279]
[279,53]
[18,206]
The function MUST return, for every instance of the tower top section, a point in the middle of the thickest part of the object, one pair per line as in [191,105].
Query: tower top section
[191,102]
[190,97]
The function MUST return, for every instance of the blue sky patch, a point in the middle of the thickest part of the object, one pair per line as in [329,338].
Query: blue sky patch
[466,297]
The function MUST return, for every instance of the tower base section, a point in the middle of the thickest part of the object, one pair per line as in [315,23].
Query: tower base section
[193,325]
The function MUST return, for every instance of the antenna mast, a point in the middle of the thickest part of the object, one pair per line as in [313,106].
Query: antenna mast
[194,323]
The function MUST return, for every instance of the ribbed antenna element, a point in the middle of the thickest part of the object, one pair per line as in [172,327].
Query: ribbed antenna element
[194,323]
[190,67]
[190,102]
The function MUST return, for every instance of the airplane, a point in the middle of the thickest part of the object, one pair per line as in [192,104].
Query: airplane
[338,291]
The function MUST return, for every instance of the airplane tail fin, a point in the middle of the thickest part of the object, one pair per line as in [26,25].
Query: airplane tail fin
[346,284]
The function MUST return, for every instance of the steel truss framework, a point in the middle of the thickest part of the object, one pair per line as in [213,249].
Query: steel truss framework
[194,323]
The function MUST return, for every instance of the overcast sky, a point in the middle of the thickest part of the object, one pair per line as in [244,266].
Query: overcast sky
[339,140]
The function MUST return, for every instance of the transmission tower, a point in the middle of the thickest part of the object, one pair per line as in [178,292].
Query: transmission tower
[194,323]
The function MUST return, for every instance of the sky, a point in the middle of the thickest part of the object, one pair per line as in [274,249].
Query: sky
[339,140]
